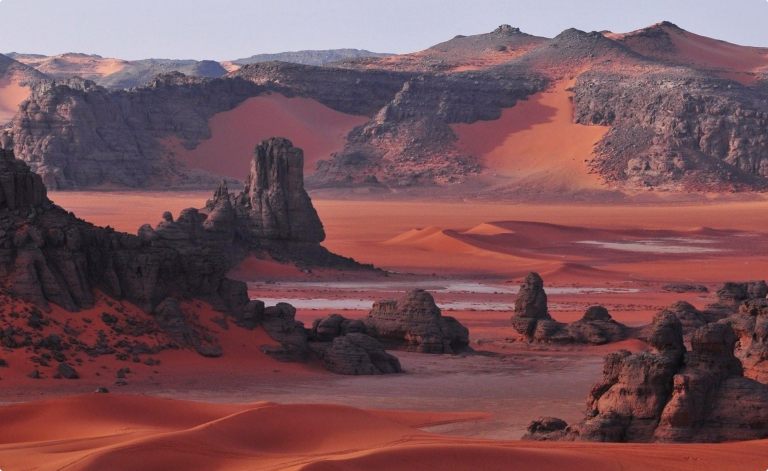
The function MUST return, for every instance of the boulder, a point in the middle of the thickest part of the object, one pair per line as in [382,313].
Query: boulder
[280,324]
[359,354]
[67,371]
[415,323]
[597,327]
[332,326]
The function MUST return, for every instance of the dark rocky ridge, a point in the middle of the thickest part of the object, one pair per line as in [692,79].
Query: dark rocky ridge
[76,134]
[20,73]
[311,57]
[710,134]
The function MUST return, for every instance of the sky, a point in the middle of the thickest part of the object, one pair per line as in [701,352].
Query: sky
[232,29]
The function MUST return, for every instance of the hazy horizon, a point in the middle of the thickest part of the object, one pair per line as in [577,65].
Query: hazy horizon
[233,29]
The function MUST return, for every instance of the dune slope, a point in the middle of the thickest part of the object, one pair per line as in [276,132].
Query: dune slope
[116,432]
[536,140]
[315,128]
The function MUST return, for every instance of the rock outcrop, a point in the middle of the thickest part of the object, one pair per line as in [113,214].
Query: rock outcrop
[280,324]
[273,214]
[274,198]
[750,324]
[530,306]
[670,395]
[533,322]
[346,349]
[359,354]
[334,325]
[76,134]
[47,255]
[415,323]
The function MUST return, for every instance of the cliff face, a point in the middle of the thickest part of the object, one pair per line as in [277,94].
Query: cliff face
[313,57]
[76,134]
[706,132]
[48,255]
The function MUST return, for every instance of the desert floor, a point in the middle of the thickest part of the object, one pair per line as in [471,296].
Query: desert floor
[472,257]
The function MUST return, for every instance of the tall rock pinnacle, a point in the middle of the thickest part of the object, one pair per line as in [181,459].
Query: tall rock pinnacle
[279,206]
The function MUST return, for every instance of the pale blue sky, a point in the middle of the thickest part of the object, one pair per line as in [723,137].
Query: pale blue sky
[230,29]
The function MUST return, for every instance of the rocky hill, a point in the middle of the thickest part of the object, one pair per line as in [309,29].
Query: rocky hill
[137,73]
[673,111]
[15,81]
[319,57]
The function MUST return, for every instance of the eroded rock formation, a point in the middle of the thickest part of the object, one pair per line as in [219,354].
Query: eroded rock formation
[273,213]
[415,323]
[533,322]
[47,255]
[412,323]
[359,354]
[669,394]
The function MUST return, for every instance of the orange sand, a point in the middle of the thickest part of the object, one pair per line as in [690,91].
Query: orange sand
[74,65]
[460,232]
[230,66]
[536,140]
[317,129]
[11,95]
[117,432]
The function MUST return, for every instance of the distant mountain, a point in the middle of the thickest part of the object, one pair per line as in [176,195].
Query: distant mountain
[15,81]
[115,73]
[310,57]
[499,114]
[139,72]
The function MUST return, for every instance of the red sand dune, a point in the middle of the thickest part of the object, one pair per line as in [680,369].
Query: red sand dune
[314,127]
[11,95]
[67,65]
[536,140]
[361,229]
[117,432]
